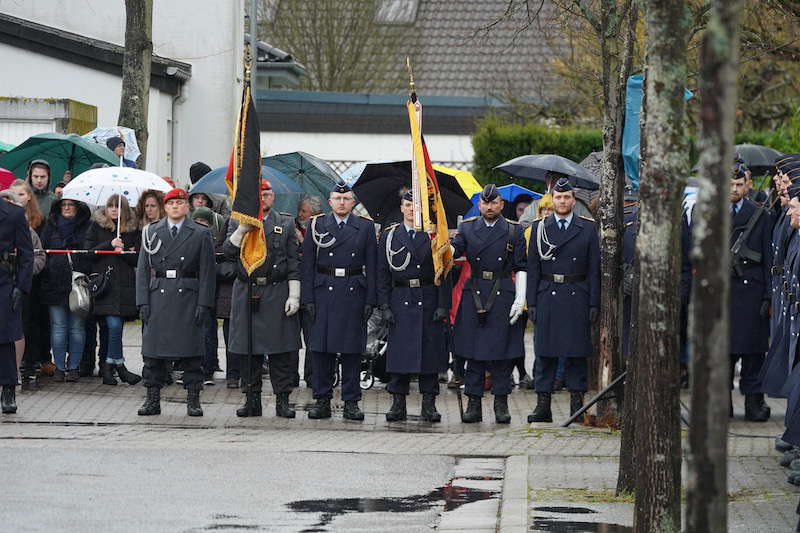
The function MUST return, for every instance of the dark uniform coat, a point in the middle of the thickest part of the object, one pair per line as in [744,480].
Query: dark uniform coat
[777,365]
[499,249]
[562,326]
[171,331]
[273,331]
[749,331]
[339,326]
[14,272]
[792,325]
[119,299]
[416,344]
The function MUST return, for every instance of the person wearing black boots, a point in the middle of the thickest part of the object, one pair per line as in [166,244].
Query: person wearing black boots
[264,307]
[16,273]
[490,324]
[116,279]
[175,282]
[563,298]
[414,307]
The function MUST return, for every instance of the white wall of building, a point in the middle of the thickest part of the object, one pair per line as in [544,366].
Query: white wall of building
[366,146]
[207,34]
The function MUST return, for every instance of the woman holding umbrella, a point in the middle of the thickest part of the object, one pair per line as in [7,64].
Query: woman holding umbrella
[114,227]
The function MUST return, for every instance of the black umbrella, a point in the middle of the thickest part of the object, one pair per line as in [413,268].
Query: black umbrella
[759,159]
[535,167]
[379,184]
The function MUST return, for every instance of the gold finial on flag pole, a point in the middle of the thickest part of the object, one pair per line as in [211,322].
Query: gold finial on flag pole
[248,62]
[412,88]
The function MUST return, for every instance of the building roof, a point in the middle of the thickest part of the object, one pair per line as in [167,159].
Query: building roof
[166,74]
[456,58]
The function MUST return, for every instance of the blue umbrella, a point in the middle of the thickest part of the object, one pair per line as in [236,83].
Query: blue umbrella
[509,193]
[287,192]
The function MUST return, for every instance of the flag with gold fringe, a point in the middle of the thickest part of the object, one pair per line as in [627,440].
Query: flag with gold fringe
[429,215]
[244,182]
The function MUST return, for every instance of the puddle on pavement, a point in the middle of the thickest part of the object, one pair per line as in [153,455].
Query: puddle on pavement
[552,525]
[565,510]
[450,496]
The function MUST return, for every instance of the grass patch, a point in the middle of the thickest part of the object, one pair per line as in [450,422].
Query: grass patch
[579,495]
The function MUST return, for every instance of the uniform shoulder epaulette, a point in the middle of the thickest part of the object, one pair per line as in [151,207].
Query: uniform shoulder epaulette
[586,218]
[470,219]
[390,226]
[366,218]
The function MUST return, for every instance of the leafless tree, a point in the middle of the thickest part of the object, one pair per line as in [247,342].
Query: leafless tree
[136,71]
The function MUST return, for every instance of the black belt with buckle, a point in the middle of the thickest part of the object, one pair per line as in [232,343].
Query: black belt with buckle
[340,272]
[777,270]
[413,282]
[174,274]
[563,278]
[265,280]
[489,275]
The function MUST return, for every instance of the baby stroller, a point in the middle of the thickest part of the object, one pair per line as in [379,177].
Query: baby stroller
[373,360]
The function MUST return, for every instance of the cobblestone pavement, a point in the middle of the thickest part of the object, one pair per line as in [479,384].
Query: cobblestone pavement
[568,467]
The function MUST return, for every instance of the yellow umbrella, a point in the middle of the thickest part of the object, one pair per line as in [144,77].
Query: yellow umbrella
[465,179]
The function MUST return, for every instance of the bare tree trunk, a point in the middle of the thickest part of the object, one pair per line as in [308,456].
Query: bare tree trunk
[136,71]
[663,179]
[617,55]
[707,502]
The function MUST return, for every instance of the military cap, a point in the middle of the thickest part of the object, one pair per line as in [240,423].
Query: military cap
[341,187]
[408,196]
[489,192]
[266,185]
[794,187]
[785,160]
[562,185]
[176,193]
[790,166]
[739,171]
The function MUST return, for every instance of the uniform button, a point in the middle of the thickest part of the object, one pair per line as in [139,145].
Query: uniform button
[477,259]
[573,293]
[162,290]
[353,254]
[180,290]
[745,282]
[181,258]
[477,292]
[418,266]
[498,293]
[574,258]
[405,303]
[330,288]
[330,254]
[419,303]
[499,258]
[351,289]
[553,293]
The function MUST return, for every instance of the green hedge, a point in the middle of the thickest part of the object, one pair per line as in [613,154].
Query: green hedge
[496,141]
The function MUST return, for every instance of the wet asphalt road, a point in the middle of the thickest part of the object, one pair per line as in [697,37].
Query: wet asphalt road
[118,489]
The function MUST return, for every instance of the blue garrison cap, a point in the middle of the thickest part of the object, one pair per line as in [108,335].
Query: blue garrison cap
[562,185]
[341,187]
[739,171]
[785,160]
[408,196]
[489,192]
[794,187]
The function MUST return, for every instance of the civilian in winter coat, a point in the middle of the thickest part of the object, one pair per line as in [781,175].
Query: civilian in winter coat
[66,229]
[117,301]
[39,179]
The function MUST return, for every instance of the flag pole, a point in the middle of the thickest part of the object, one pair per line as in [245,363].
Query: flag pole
[416,190]
[251,307]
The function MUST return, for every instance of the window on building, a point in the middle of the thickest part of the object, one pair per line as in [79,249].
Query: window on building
[396,11]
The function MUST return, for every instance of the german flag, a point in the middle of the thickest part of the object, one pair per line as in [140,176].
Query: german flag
[244,183]
[429,209]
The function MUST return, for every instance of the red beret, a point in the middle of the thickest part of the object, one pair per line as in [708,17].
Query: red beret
[266,185]
[176,193]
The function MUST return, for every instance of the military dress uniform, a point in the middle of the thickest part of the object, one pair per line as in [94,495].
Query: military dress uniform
[338,292]
[275,324]
[417,307]
[564,298]
[749,306]
[175,285]
[482,333]
[16,274]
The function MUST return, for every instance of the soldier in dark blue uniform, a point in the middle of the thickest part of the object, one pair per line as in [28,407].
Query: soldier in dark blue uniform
[563,298]
[16,273]
[750,294]
[415,309]
[489,327]
[338,294]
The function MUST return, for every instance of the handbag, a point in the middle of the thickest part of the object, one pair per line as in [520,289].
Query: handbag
[80,301]
[99,283]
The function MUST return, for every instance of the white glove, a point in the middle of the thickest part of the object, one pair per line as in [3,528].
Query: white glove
[293,301]
[237,236]
[518,306]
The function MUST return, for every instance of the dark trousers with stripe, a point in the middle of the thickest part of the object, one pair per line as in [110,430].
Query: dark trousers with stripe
[501,376]
[325,369]
[545,368]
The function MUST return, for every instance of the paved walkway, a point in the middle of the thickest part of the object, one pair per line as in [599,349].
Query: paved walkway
[572,468]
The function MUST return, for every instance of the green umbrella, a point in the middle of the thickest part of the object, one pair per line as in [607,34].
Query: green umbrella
[62,152]
[311,173]
[5,147]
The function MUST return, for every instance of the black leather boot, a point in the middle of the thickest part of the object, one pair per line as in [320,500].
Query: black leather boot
[501,414]
[429,412]
[282,408]
[152,402]
[8,399]
[127,376]
[351,411]
[397,412]
[474,412]
[107,371]
[193,407]
[252,405]
[542,412]
[321,410]
[575,402]
[755,409]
